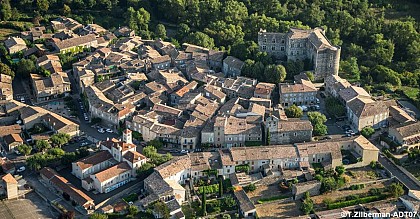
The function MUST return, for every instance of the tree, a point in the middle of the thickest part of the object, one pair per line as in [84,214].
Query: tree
[98,216]
[42,145]
[200,39]
[294,112]
[328,184]
[156,143]
[66,10]
[274,73]
[183,31]
[204,204]
[220,187]
[234,12]
[310,75]
[25,67]
[350,68]
[161,210]
[307,205]
[5,69]
[317,120]
[133,210]
[60,139]
[144,168]
[43,5]
[24,149]
[143,19]
[340,170]
[150,151]
[5,10]
[367,131]
[160,31]
[396,190]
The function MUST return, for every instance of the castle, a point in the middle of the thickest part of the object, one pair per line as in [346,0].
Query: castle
[299,44]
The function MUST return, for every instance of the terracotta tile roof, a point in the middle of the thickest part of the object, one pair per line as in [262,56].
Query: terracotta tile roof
[263,152]
[133,156]
[264,88]
[10,129]
[8,178]
[93,159]
[408,130]
[294,125]
[325,147]
[233,62]
[76,41]
[114,143]
[364,107]
[113,171]
[352,92]
[13,138]
[365,143]
[63,184]
[174,166]
[306,86]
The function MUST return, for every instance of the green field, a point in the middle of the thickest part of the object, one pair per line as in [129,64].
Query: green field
[411,92]
[5,32]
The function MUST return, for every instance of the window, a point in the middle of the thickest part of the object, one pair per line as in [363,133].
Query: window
[264,47]
[265,40]
[282,41]
[295,134]
[273,48]
[297,52]
[273,40]
[282,48]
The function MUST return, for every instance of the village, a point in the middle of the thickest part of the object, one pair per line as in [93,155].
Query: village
[107,123]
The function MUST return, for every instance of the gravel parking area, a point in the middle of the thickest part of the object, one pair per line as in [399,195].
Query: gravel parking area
[32,207]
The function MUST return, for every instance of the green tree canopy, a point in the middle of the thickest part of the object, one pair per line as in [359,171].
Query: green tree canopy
[42,145]
[5,10]
[160,31]
[294,112]
[396,190]
[274,73]
[200,39]
[24,149]
[367,131]
[25,67]
[161,210]
[5,69]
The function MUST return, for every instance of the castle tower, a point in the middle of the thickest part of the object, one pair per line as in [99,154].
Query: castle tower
[127,136]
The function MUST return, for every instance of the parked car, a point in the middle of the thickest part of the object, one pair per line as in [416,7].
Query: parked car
[21,169]
[101,130]
[109,130]
[184,151]
[17,152]
[84,144]
[317,101]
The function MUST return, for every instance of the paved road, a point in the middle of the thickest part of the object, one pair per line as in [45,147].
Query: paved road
[400,173]
[21,89]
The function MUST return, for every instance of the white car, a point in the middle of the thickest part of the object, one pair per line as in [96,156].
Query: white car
[101,130]
[21,169]
[184,152]
[109,130]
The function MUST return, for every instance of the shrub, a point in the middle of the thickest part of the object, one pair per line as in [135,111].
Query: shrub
[249,188]
[363,200]
[367,131]
[208,189]
[357,187]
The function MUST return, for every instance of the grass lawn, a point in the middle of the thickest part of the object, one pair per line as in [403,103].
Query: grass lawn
[411,92]
[5,32]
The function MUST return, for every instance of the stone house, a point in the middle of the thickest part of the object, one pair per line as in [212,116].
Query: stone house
[54,86]
[76,44]
[10,186]
[364,112]
[14,44]
[297,94]
[6,90]
[232,66]
[12,141]
[407,135]
[334,84]
[264,90]
[299,44]
[288,132]
[246,207]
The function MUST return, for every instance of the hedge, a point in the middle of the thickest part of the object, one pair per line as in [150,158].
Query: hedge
[274,198]
[356,201]
[208,189]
